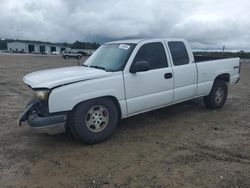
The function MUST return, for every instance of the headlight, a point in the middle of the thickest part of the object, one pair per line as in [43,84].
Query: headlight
[43,95]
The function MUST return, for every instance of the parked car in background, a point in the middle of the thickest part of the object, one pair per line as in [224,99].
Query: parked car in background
[122,79]
[90,52]
[6,51]
[83,53]
[71,54]
[55,53]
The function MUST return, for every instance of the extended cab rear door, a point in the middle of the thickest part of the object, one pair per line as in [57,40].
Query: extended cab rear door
[184,70]
[153,88]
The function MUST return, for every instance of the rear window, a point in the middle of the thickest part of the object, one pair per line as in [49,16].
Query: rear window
[179,53]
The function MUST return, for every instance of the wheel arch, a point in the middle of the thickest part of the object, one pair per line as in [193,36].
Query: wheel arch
[224,77]
[113,98]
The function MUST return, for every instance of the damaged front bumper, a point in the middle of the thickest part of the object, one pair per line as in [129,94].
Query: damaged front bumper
[51,124]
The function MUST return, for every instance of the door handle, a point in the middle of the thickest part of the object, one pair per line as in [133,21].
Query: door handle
[168,75]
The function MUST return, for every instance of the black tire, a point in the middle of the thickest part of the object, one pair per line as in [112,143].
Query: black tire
[70,126]
[79,125]
[211,101]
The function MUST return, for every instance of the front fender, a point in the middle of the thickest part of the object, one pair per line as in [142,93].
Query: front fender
[66,97]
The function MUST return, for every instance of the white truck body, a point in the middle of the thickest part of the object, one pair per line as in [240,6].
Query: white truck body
[136,93]
[133,93]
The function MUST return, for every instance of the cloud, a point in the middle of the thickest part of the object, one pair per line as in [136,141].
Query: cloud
[206,24]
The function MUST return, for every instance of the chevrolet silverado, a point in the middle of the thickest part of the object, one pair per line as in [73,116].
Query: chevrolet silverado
[122,79]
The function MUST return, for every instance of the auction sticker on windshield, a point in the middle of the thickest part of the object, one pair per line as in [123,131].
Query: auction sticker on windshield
[124,46]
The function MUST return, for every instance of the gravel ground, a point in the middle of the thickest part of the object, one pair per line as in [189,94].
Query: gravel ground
[184,145]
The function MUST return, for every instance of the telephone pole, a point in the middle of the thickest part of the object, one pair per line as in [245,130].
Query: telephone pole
[223,48]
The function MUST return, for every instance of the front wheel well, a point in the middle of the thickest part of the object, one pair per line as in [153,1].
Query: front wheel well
[114,99]
[117,104]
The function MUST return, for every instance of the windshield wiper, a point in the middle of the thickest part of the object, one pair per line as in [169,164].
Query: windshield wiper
[85,65]
[97,67]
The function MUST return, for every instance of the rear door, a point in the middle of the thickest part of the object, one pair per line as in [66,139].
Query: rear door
[184,71]
[153,88]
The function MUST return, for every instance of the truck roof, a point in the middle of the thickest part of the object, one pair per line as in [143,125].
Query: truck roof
[136,41]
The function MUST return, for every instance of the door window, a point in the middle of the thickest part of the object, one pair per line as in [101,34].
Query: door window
[154,54]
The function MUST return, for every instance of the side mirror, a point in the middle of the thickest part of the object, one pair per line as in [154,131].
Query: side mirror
[139,66]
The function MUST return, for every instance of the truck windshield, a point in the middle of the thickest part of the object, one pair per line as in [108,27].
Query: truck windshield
[110,57]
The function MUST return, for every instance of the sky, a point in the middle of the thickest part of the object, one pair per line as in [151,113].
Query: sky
[206,24]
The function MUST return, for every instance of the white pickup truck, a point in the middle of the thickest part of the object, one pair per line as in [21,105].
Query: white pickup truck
[122,79]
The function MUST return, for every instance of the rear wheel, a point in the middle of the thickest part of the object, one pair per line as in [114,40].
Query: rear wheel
[93,121]
[217,96]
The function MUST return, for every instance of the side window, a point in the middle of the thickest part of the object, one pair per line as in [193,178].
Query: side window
[154,54]
[179,53]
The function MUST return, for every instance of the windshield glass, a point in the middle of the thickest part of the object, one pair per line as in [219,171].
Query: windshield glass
[110,57]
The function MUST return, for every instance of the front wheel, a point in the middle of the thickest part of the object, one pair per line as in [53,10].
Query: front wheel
[94,120]
[217,96]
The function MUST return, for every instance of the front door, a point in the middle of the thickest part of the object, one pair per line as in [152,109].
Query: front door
[153,88]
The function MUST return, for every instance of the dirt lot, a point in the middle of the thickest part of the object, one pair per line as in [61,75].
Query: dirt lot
[184,145]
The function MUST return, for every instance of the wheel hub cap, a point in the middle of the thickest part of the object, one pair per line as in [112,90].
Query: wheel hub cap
[97,118]
[219,95]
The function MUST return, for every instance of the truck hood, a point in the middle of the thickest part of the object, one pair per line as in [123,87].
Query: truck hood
[60,76]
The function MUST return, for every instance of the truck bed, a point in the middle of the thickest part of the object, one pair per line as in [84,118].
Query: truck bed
[201,58]
[208,70]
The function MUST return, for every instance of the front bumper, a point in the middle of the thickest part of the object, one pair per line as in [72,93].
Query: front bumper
[52,124]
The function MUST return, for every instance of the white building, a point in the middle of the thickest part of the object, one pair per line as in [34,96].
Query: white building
[36,47]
